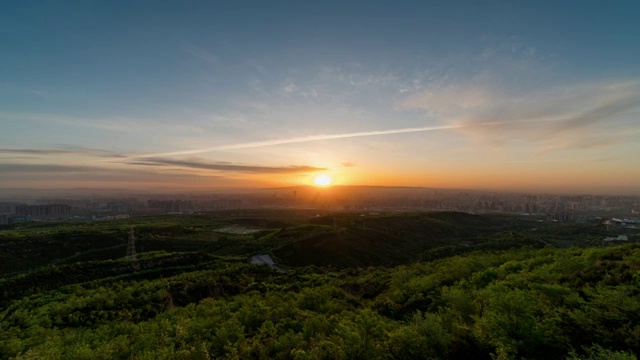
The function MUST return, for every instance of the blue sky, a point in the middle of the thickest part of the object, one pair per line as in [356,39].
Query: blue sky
[508,95]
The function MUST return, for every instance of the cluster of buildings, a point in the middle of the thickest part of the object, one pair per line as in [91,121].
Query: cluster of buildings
[632,223]
[561,208]
[12,213]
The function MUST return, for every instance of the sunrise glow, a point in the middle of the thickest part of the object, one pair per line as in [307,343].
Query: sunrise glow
[322,180]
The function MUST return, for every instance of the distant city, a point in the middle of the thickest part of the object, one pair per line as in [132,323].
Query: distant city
[616,210]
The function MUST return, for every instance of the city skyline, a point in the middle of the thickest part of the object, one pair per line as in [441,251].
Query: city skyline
[162,95]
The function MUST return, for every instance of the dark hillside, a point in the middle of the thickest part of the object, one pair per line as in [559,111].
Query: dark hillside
[392,239]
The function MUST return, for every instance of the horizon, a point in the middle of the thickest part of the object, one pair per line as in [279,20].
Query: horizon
[210,97]
[19,194]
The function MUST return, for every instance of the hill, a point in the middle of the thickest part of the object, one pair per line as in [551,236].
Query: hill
[295,237]
[392,239]
[410,286]
[525,303]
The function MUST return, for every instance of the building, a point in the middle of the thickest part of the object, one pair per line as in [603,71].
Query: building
[43,211]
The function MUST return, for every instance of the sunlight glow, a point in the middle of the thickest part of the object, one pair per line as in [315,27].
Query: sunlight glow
[322,180]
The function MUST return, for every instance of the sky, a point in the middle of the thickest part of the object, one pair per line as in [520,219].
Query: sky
[540,96]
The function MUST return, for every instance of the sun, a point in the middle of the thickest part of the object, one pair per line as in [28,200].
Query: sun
[322,180]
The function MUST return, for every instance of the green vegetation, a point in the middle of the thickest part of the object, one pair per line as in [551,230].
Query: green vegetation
[401,286]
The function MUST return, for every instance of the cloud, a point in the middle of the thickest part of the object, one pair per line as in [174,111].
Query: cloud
[90,151]
[12,88]
[289,88]
[62,150]
[45,168]
[605,111]
[355,76]
[117,124]
[201,54]
[33,152]
[223,166]
[595,142]
[348,164]
[450,99]
[304,139]
[55,175]
[558,117]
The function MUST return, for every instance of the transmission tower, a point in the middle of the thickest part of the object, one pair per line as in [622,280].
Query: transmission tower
[131,246]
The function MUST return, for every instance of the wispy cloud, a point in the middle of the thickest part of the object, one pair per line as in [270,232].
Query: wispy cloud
[90,151]
[11,87]
[33,152]
[201,54]
[303,139]
[605,111]
[61,150]
[562,114]
[223,166]
[593,142]
[117,124]
[45,168]
[52,175]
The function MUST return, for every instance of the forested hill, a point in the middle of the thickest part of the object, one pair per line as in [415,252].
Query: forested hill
[516,304]
[293,237]
[480,290]
[348,241]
